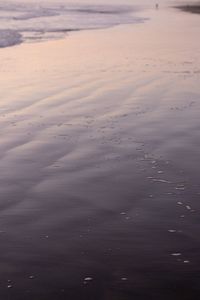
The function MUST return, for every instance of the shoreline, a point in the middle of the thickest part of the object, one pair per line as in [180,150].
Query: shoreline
[13,31]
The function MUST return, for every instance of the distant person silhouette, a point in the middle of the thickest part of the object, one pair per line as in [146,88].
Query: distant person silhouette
[157,6]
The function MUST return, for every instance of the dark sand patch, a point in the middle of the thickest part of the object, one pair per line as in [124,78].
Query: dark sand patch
[195,8]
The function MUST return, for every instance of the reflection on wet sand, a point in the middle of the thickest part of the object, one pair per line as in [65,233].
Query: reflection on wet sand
[99,164]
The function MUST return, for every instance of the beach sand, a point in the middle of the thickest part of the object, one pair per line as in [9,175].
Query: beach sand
[100,136]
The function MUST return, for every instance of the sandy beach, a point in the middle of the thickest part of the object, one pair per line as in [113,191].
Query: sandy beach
[99,181]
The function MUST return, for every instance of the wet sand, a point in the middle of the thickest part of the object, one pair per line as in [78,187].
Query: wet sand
[100,164]
[195,9]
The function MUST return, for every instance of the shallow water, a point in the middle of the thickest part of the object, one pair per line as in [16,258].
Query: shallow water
[27,22]
[99,164]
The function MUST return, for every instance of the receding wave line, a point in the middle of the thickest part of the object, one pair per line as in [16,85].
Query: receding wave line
[10,38]
[28,22]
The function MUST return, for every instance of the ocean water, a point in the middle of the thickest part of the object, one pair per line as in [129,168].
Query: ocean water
[28,22]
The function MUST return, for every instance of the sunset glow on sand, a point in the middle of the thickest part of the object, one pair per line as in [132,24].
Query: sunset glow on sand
[99,120]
